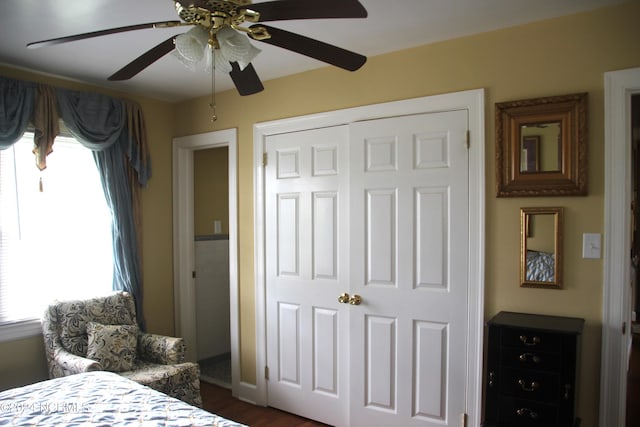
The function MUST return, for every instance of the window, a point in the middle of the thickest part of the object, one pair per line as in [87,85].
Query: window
[55,233]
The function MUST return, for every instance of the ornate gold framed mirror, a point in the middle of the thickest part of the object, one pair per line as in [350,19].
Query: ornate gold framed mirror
[541,146]
[541,247]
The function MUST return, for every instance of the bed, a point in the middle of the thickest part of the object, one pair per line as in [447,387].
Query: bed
[99,399]
[541,266]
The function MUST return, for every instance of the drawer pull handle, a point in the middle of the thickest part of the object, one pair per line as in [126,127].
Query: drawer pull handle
[531,387]
[522,412]
[534,340]
[567,390]
[492,377]
[524,357]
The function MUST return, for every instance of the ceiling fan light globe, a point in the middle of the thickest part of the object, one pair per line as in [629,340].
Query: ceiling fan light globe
[191,65]
[235,47]
[246,60]
[192,44]
[222,64]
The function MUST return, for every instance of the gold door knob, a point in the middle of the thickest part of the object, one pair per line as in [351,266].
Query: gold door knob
[355,300]
[344,298]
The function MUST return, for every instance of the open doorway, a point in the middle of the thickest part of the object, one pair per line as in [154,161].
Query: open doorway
[619,87]
[211,229]
[633,373]
[184,243]
[635,223]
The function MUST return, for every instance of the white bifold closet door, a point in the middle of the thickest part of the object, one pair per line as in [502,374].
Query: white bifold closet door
[366,269]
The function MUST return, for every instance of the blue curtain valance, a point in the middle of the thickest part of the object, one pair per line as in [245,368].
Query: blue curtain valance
[95,120]
[17,104]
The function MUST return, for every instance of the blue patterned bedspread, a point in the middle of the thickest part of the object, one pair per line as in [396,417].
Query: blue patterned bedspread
[540,266]
[99,399]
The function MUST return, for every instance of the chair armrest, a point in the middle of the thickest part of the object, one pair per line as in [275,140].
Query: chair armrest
[60,361]
[66,363]
[161,349]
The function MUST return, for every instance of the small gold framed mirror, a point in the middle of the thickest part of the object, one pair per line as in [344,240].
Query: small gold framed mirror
[541,146]
[541,247]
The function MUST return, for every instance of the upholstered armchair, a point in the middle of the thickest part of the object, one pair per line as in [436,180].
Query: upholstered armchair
[102,334]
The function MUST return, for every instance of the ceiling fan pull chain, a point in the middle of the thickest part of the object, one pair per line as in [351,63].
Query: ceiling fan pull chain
[214,117]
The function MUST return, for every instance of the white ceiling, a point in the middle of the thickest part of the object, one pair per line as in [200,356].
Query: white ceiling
[391,25]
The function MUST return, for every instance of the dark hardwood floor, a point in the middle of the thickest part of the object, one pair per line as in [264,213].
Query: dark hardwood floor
[633,384]
[218,400]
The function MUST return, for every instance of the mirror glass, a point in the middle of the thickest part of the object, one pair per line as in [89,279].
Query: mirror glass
[541,247]
[540,147]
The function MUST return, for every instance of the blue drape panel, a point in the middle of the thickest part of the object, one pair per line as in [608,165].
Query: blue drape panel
[126,271]
[115,131]
[99,123]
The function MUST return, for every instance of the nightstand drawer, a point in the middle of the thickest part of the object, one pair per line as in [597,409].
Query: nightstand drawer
[526,413]
[527,384]
[530,359]
[531,370]
[527,339]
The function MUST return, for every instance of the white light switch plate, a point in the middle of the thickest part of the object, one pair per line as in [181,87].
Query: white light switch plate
[591,244]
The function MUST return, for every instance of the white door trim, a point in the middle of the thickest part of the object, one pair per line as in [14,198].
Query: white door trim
[183,241]
[473,102]
[618,88]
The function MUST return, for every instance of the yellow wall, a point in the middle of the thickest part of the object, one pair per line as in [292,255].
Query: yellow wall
[542,233]
[506,63]
[549,159]
[23,362]
[211,190]
[577,50]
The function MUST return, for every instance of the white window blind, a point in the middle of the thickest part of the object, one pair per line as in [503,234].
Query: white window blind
[55,230]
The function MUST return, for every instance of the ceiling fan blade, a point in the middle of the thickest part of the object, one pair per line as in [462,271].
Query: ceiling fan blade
[321,51]
[60,40]
[281,10]
[144,60]
[247,81]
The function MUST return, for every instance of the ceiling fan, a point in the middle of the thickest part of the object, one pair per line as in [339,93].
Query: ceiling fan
[218,30]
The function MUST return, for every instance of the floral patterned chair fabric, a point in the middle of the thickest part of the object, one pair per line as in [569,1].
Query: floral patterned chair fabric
[157,361]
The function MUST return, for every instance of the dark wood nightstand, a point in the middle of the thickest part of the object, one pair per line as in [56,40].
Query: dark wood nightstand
[531,370]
